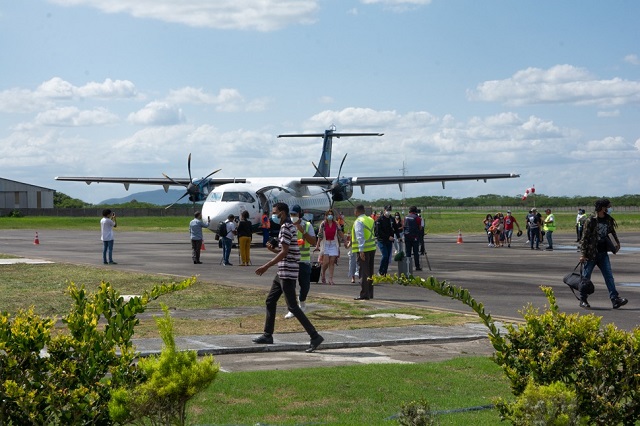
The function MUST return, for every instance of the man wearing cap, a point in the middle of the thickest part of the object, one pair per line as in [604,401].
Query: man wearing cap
[533,222]
[306,239]
[509,221]
[599,238]
[412,224]
[385,232]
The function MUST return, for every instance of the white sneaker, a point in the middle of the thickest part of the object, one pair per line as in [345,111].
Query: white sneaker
[289,315]
[303,306]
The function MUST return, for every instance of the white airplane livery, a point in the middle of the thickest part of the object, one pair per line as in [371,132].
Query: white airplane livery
[315,194]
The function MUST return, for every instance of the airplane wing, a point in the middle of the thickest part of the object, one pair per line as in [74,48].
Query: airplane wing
[126,181]
[362,182]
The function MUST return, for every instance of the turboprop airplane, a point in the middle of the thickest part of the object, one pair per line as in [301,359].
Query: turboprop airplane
[315,194]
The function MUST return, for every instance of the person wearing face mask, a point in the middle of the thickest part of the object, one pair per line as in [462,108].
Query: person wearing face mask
[363,243]
[598,238]
[329,235]
[549,226]
[287,258]
[397,225]
[509,221]
[385,232]
[306,238]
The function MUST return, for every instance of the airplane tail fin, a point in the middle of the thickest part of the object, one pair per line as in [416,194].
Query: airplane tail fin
[324,165]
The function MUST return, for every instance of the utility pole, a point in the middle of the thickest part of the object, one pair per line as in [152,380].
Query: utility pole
[404,172]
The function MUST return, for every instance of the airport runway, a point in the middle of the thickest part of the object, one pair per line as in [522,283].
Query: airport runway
[503,279]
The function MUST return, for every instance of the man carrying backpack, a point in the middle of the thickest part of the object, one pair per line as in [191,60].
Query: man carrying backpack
[227,239]
[412,225]
[598,239]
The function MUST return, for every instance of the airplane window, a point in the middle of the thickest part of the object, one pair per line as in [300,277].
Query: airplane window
[215,196]
[243,197]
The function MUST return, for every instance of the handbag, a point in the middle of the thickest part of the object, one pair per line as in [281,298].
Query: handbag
[611,244]
[575,281]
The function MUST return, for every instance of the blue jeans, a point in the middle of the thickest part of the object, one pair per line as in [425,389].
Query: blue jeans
[107,247]
[534,235]
[385,250]
[549,237]
[226,249]
[602,261]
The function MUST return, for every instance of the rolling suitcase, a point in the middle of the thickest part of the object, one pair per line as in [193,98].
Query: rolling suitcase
[315,271]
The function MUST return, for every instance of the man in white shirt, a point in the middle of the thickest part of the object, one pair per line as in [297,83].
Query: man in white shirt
[227,240]
[107,223]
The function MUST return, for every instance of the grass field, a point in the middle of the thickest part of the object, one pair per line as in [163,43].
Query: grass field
[352,395]
[437,222]
[44,287]
[356,395]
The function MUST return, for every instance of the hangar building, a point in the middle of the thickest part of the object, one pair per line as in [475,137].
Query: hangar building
[18,195]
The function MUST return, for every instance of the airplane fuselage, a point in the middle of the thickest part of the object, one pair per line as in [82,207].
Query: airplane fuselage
[260,194]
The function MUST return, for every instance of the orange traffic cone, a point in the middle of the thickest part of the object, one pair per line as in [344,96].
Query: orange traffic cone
[202,248]
[459,237]
[36,241]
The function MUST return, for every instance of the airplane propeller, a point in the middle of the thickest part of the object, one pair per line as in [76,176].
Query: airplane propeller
[340,189]
[195,188]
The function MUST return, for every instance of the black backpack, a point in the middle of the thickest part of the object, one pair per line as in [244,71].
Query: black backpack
[222,229]
[411,228]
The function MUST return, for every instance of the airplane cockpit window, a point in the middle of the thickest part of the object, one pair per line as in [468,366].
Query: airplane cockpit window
[215,196]
[243,197]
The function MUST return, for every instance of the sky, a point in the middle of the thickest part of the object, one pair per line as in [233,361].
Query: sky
[549,90]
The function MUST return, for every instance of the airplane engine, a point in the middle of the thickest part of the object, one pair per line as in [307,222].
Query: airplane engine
[342,190]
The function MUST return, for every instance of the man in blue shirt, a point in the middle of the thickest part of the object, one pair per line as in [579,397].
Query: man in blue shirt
[195,231]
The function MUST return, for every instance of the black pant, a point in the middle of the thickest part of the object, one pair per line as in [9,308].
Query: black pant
[366,273]
[196,246]
[412,245]
[288,287]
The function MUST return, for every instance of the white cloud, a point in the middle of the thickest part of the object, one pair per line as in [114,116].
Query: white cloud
[607,114]
[227,99]
[17,100]
[22,101]
[612,147]
[261,15]
[157,114]
[560,84]
[59,89]
[398,5]
[632,59]
[73,117]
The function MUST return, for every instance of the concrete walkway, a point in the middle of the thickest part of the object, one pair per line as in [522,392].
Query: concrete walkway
[336,339]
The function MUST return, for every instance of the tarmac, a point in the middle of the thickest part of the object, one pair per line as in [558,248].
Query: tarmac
[504,280]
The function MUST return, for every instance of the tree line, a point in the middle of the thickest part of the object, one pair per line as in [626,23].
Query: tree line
[61,200]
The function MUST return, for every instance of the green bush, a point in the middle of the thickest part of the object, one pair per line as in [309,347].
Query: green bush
[601,364]
[417,413]
[550,405]
[70,382]
[168,382]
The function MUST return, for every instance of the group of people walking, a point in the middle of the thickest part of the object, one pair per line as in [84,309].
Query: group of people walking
[292,248]
[595,233]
